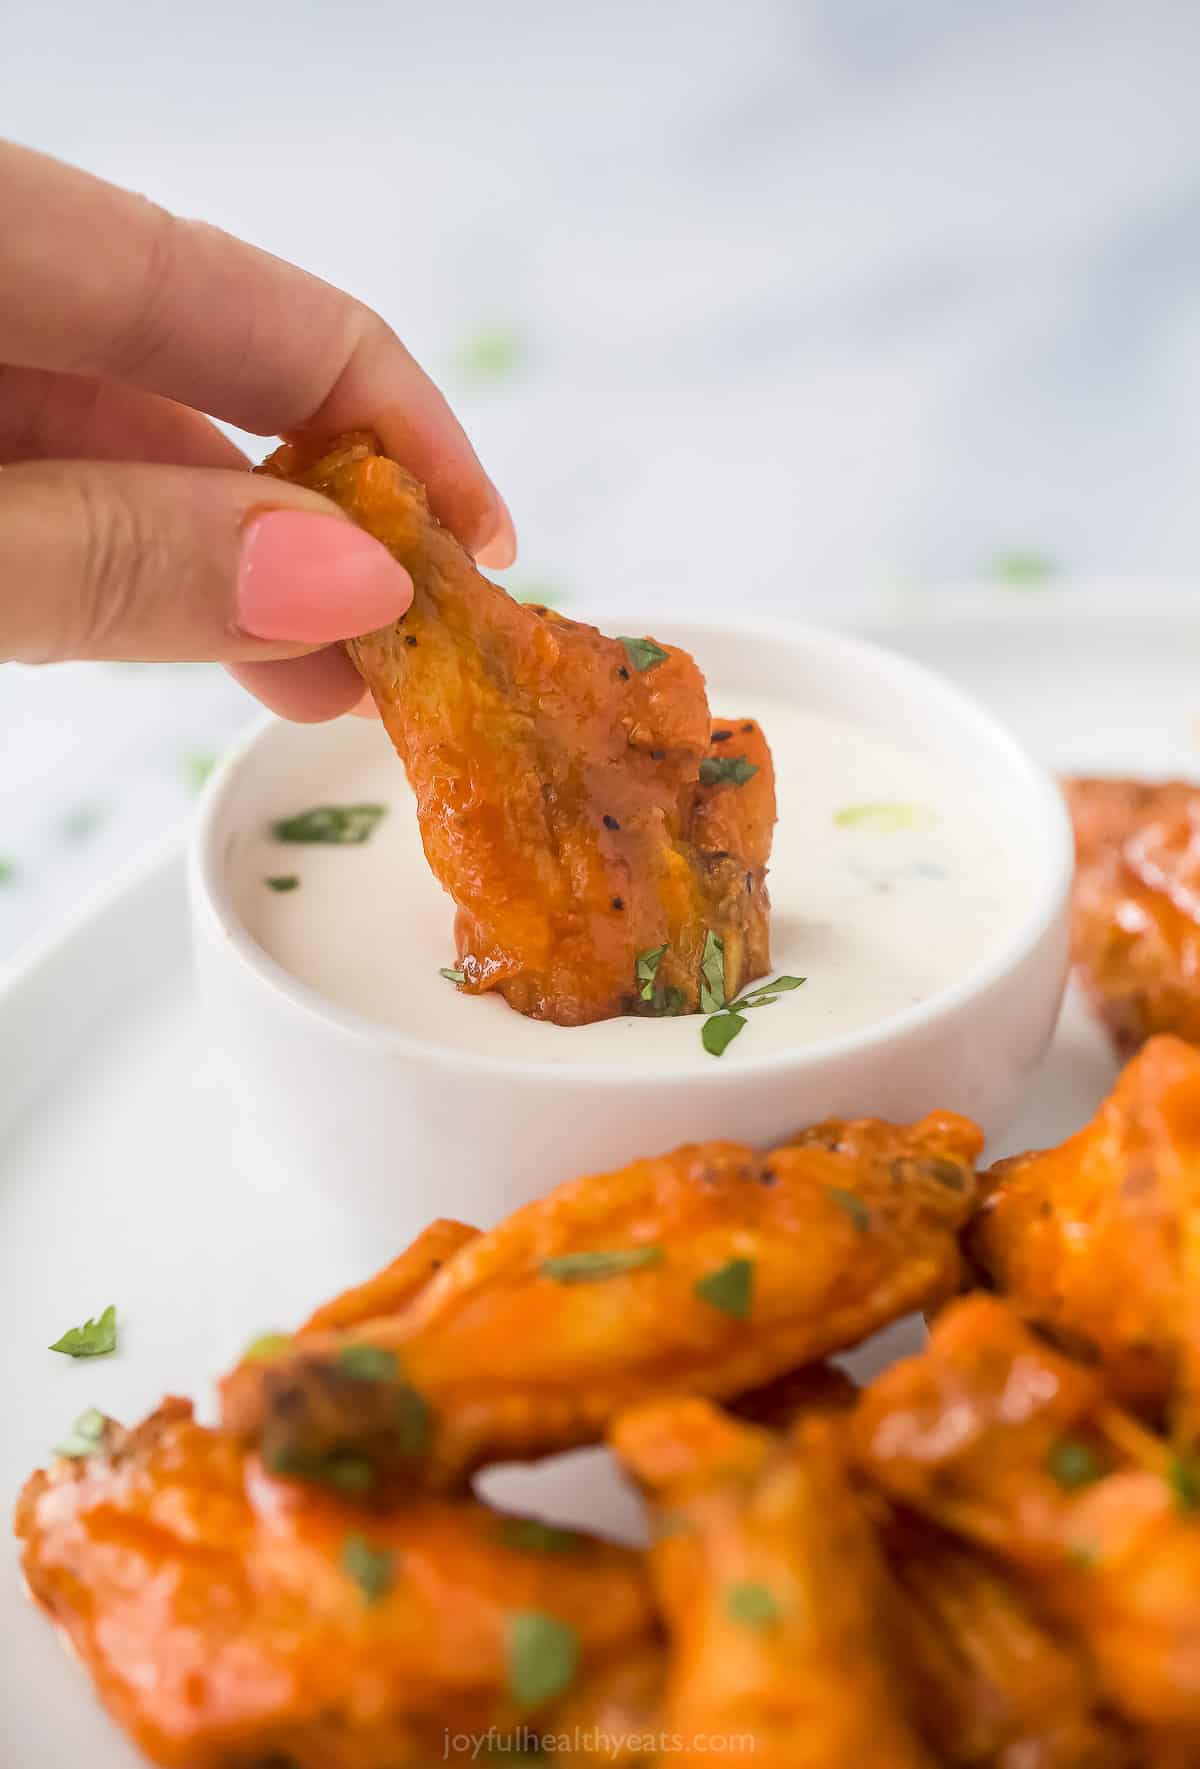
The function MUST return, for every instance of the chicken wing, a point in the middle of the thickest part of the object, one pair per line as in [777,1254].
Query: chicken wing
[573,796]
[772,1589]
[711,1270]
[996,1437]
[1136,928]
[1098,1240]
[990,1682]
[233,1622]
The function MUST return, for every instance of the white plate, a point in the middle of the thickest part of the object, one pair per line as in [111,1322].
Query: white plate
[121,1179]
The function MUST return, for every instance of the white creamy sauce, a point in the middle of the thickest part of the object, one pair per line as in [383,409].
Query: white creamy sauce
[875,919]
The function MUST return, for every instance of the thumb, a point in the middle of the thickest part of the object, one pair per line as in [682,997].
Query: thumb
[182,564]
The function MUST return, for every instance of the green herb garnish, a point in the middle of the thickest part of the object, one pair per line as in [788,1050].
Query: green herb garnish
[1023,569]
[412,1421]
[530,1533]
[1074,1464]
[753,1605]
[718,1032]
[84,1437]
[197,767]
[591,1268]
[370,1568]
[726,771]
[542,1655]
[94,1339]
[267,1345]
[367,1363]
[336,825]
[885,817]
[453,976]
[646,970]
[1183,1478]
[282,881]
[352,1476]
[712,974]
[730,1288]
[643,654]
[8,872]
[493,354]
[852,1204]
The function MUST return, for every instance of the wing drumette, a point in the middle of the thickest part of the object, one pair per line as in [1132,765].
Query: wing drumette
[558,774]
[772,1589]
[231,1620]
[1098,1240]
[711,1270]
[1136,931]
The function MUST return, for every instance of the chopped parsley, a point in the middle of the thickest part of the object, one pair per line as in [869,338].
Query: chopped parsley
[646,971]
[335,825]
[1183,1478]
[1074,1464]
[453,976]
[84,1437]
[726,771]
[370,1568]
[885,817]
[643,654]
[591,1268]
[94,1339]
[852,1204]
[719,1031]
[531,1534]
[712,974]
[282,881]
[730,1288]
[367,1363]
[542,1656]
[352,1476]
[267,1345]
[752,1605]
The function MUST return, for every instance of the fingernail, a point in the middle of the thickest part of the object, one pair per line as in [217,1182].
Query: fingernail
[499,546]
[313,579]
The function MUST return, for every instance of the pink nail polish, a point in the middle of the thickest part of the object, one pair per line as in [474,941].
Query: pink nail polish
[314,579]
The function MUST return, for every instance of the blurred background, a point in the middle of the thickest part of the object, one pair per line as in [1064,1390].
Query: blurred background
[794,303]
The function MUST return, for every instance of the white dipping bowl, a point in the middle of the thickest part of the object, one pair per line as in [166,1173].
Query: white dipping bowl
[402,1131]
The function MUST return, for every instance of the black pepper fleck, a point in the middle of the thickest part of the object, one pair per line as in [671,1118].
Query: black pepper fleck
[623,673]
[610,822]
[747,727]
[721,736]
[657,755]
[618,902]
[410,639]
[749,881]
[768,1176]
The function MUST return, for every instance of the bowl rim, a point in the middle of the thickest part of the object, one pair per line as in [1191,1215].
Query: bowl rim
[214,912]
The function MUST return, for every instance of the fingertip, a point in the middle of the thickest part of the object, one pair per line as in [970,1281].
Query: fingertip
[499,548]
[312,579]
[307,690]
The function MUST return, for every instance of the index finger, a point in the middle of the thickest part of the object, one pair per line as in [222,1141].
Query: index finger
[95,280]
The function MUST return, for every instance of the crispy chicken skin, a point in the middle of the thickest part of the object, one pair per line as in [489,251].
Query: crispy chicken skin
[233,1622]
[557,774]
[771,1586]
[996,1437]
[990,1682]
[1098,1240]
[1136,928]
[711,1270]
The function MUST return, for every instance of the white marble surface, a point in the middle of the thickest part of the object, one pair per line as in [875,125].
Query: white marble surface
[772,303]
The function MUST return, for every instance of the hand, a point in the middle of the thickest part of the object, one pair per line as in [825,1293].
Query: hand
[129,527]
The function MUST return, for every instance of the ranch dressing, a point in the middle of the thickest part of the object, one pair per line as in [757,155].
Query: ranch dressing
[888,882]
